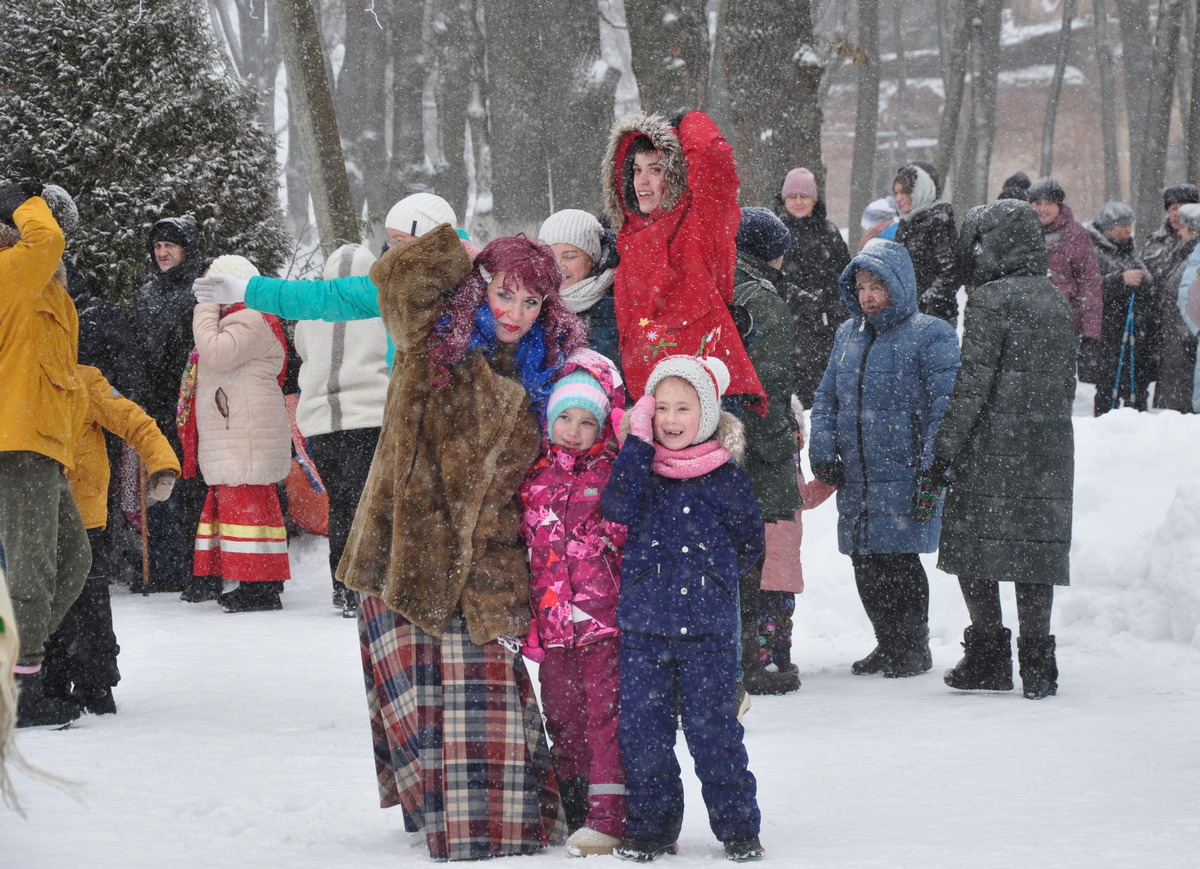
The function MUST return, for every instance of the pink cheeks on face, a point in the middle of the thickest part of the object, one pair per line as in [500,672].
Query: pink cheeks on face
[498,312]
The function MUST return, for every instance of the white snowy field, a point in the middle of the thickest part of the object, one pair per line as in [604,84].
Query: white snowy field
[242,740]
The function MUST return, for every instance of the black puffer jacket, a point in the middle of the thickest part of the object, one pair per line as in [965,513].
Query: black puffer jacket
[809,285]
[103,331]
[1007,432]
[1114,258]
[932,242]
[161,313]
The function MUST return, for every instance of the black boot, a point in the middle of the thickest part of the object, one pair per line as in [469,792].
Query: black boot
[875,662]
[573,793]
[987,661]
[201,589]
[251,597]
[35,708]
[97,701]
[1039,669]
[763,681]
[911,656]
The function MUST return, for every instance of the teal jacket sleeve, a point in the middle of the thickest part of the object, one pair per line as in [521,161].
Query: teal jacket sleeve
[351,298]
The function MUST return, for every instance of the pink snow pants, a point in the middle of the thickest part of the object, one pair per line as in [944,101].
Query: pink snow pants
[580,697]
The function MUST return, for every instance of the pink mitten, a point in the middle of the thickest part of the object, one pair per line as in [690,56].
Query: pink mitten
[532,647]
[641,419]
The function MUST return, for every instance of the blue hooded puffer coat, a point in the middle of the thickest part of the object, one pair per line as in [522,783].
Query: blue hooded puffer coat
[879,406]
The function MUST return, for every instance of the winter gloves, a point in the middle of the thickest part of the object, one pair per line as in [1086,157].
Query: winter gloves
[13,196]
[831,473]
[931,486]
[220,289]
[160,485]
[641,418]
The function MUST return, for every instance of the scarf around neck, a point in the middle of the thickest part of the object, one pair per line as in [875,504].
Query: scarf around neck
[689,462]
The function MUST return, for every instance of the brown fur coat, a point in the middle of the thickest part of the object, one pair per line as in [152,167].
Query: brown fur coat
[437,527]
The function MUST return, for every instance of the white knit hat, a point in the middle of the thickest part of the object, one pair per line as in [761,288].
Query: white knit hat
[572,226]
[348,260]
[234,266]
[62,206]
[419,213]
[707,375]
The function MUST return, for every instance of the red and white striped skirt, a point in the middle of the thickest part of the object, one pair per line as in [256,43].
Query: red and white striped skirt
[241,536]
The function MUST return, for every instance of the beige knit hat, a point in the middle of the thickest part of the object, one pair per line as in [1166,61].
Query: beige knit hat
[419,213]
[707,375]
[234,266]
[573,226]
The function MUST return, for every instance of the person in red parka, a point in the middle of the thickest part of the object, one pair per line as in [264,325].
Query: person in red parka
[670,189]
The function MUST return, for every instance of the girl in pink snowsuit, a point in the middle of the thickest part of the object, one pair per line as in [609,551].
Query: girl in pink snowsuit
[575,563]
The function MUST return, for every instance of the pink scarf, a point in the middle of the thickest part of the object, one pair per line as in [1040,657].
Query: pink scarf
[693,461]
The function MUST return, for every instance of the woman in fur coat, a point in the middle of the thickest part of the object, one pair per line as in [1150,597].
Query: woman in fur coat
[436,550]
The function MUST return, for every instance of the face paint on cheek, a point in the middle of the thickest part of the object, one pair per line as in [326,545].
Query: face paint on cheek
[498,312]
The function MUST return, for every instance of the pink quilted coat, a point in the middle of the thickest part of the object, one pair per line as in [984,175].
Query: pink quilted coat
[575,553]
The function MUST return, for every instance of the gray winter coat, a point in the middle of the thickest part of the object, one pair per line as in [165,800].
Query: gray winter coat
[1007,432]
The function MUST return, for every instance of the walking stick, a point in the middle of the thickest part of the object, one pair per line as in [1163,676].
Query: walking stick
[1127,338]
[145,531]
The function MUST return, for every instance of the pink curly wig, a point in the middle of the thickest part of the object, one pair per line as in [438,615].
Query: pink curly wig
[467,322]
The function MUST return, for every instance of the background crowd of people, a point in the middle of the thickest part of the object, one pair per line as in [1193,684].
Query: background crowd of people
[582,449]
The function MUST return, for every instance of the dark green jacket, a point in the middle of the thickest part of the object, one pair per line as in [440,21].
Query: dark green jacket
[1007,432]
[770,442]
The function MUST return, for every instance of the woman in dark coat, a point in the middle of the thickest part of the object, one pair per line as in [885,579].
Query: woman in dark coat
[927,230]
[873,421]
[1176,344]
[811,266]
[1007,436]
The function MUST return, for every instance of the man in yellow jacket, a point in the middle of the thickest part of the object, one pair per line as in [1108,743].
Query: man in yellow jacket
[41,408]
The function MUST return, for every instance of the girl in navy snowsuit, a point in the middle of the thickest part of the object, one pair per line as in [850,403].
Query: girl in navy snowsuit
[693,529]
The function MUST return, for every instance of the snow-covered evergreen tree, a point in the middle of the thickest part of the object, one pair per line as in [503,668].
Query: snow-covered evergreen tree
[127,105]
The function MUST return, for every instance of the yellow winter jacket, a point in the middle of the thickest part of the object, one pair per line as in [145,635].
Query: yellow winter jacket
[41,400]
[108,409]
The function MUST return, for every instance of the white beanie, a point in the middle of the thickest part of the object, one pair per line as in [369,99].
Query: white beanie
[62,206]
[707,375]
[348,260]
[572,226]
[419,213]
[234,266]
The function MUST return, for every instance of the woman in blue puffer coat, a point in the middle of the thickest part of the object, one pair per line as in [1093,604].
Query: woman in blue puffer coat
[874,418]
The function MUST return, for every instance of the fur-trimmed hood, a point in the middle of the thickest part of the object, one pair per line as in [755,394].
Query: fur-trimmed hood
[731,434]
[616,171]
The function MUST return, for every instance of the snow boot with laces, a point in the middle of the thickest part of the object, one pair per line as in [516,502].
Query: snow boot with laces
[986,664]
[1039,669]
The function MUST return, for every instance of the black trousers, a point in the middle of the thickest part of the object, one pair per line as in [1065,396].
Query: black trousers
[1034,602]
[894,590]
[343,459]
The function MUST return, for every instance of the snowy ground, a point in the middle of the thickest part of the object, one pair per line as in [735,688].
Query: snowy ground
[241,740]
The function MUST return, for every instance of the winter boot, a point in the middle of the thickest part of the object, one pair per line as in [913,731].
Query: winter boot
[201,589]
[585,841]
[639,850]
[251,597]
[878,660]
[97,701]
[1039,669]
[986,664]
[743,850]
[35,708]
[339,595]
[573,794]
[349,604]
[763,681]
[911,657]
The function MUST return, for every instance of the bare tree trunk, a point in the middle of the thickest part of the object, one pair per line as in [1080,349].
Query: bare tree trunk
[1193,127]
[316,123]
[669,41]
[954,78]
[862,171]
[772,129]
[1153,162]
[452,30]
[361,102]
[1056,83]
[900,145]
[410,54]
[985,71]
[1136,59]
[1108,104]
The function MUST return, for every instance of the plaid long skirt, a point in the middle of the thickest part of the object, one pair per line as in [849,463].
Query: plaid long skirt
[458,738]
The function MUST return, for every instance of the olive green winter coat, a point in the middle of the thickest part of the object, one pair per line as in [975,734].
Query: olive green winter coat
[1007,431]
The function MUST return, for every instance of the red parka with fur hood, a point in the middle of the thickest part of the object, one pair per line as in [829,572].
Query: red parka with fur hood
[675,278]
[575,553]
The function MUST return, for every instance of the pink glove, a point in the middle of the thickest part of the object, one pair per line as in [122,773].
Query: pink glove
[532,647]
[641,418]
